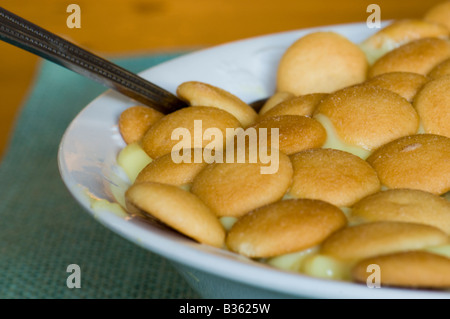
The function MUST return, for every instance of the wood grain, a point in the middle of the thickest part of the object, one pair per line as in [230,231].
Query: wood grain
[122,27]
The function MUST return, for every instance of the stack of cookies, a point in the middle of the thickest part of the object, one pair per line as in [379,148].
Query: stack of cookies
[358,136]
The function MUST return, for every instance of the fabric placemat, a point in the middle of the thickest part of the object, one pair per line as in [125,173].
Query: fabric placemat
[43,229]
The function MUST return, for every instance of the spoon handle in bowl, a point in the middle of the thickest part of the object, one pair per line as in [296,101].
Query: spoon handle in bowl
[30,37]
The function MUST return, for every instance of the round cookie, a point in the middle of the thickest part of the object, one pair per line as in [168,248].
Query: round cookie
[439,70]
[440,13]
[419,161]
[303,105]
[135,121]
[234,188]
[413,269]
[167,169]
[178,209]
[274,100]
[295,133]
[321,62]
[400,32]
[361,241]
[419,56]
[404,205]
[405,84]
[284,227]
[335,176]
[368,116]
[203,94]
[160,139]
[433,106]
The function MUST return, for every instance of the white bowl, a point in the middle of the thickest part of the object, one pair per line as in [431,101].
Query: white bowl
[87,161]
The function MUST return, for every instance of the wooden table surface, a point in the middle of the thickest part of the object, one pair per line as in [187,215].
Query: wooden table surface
[124,27]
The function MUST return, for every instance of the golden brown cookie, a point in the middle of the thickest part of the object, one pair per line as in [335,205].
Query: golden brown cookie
[303,105]
[405,84]
[175,168]
[419,56]
[400,32]
[419,161]
[439,70]
[412,269]
[178,209]
[179,127]
[234,188]
[295,133]
[368,116]
[433,106]
[361,241]
[321,62]
[135,121]
[335,176]
[203,94]
[439,13]
[274,100]
[284,227]
[404,205]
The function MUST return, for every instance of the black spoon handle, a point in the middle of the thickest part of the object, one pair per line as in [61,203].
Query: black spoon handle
[30,37]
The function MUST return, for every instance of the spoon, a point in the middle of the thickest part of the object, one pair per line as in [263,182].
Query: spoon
[32,38]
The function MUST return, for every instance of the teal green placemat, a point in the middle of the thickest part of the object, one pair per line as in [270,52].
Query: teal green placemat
[42,228]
